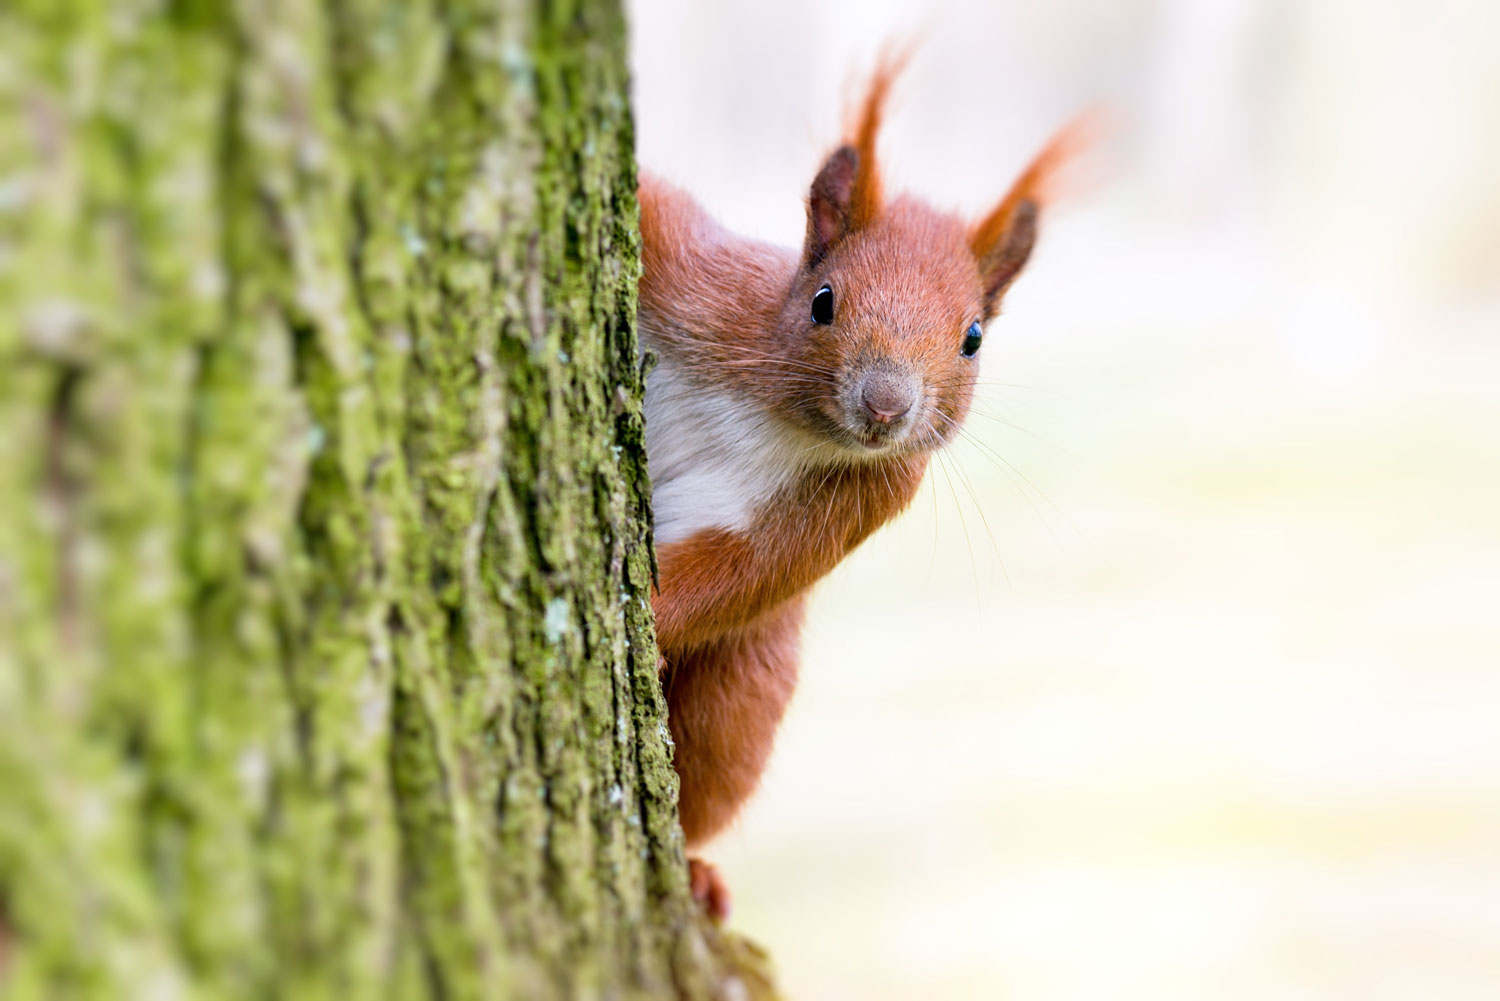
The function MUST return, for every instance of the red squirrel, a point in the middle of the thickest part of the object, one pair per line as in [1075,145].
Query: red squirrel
[796,400]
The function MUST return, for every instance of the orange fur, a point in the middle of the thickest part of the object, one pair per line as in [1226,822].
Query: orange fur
[730,316]
[868,194]
[1033,185]
[1001,241]
[725,700]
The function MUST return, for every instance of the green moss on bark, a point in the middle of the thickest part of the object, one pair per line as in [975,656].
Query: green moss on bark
[326,663]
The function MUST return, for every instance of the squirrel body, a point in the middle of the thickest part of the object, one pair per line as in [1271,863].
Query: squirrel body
[797,398]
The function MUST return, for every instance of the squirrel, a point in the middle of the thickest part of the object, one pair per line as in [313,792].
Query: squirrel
[796,399]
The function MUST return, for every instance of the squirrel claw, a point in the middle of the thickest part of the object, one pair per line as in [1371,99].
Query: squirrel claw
[709,889]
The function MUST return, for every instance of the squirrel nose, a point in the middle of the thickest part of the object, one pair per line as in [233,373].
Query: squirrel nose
[887,396]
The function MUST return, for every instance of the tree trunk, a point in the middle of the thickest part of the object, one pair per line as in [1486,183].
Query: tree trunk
[326,658]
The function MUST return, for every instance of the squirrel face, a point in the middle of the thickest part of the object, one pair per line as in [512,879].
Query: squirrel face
[883,330]
[864,345]
[882,325]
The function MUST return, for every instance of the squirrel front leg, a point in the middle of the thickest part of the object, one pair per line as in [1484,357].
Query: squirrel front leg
[729,655]
[725,701]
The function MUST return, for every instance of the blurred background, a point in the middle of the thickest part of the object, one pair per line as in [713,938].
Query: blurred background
[1181,680]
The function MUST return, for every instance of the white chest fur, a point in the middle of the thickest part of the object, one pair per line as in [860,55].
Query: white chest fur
[715,457]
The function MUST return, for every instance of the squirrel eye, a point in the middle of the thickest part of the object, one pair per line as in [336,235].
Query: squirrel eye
[822,306]
[971,340]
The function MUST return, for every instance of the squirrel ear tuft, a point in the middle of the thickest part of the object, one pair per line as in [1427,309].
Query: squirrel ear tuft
[846,195]
[868,197]
[1002,241]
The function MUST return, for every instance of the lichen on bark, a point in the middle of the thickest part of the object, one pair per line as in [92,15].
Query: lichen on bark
[326,664]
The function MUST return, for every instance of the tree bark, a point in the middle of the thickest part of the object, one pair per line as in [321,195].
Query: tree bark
[326,657]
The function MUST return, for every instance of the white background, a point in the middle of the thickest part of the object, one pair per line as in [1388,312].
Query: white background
[1191,688]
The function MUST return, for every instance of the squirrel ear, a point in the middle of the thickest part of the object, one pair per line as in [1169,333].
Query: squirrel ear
[829,204]
[1002,241]
[1003,256]
[846,195]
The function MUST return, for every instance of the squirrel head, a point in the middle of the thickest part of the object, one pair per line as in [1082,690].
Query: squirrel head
[890,302]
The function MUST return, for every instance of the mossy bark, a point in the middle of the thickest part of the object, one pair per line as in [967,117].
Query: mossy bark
[326,664]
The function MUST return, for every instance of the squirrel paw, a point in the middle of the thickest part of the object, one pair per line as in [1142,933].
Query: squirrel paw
[709,889]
